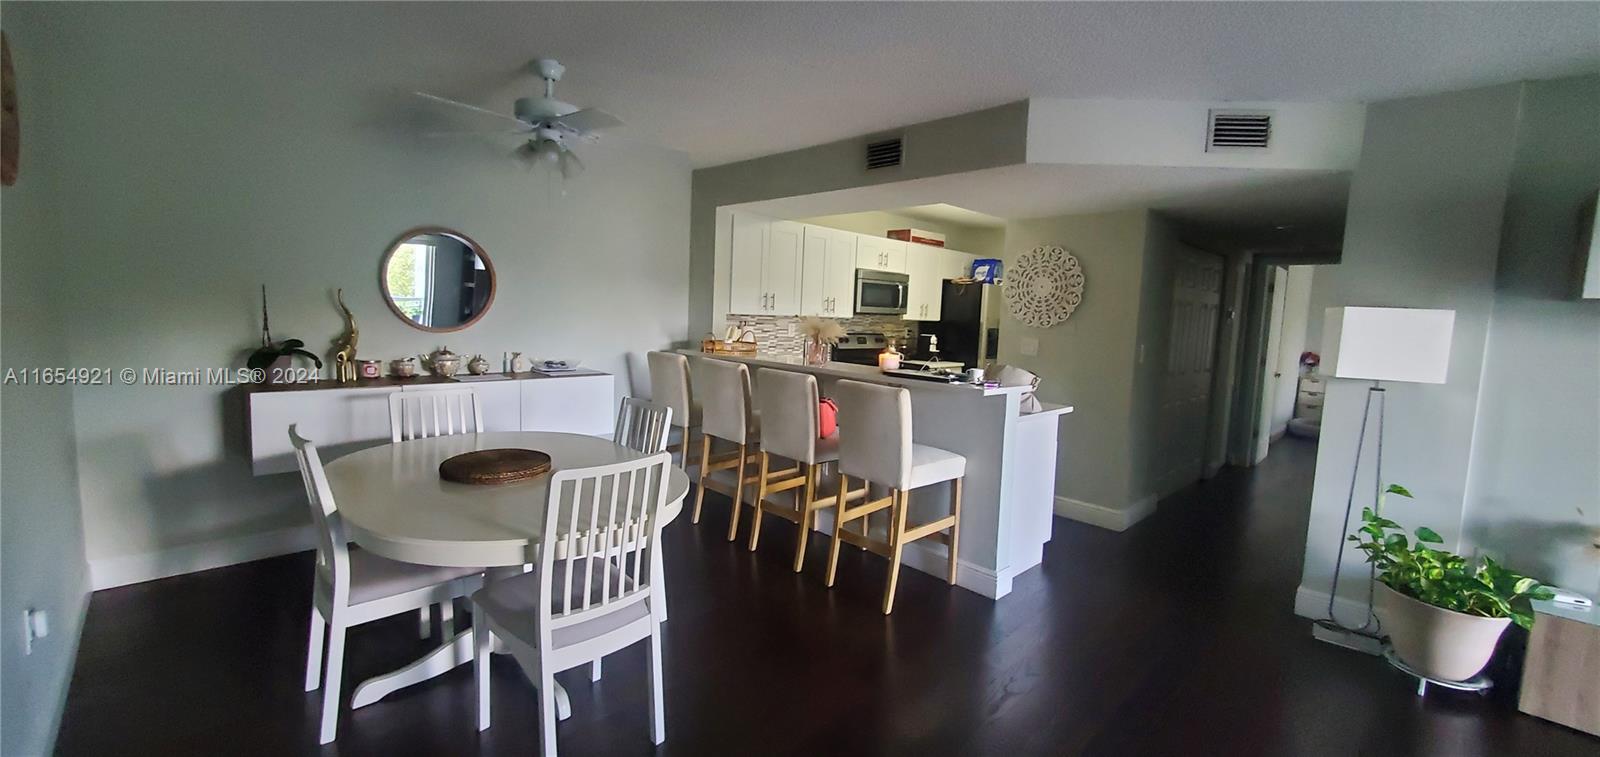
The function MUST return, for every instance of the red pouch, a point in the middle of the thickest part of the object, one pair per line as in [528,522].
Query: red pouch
[827,418]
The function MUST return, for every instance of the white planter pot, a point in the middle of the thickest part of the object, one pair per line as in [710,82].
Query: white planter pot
[1438,643]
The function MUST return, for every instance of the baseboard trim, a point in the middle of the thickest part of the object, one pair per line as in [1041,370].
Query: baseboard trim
[1110,518]
[123,570]
[934,560]
[1313,604]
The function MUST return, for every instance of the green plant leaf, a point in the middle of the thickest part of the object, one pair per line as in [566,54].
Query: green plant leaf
[1428,535]
[304,354]
[289,345]
[1398,489]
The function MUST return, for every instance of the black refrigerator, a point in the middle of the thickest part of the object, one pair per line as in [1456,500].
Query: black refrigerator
[969,324]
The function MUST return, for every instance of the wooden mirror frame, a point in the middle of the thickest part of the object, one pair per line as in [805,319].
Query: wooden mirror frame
[388,298]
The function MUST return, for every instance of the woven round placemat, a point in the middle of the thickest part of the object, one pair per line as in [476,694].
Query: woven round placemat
[495,466]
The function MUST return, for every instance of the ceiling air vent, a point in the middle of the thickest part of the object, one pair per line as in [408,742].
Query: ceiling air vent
[1230,130]
[884,153]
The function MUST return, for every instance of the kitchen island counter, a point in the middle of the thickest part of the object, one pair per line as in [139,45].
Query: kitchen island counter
[1009,494]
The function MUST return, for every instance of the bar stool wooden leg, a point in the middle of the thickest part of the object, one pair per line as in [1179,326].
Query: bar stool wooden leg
[897,533]
[838,528]
[804,497]
[700,488]
[955,528]
[738,496]
[761,496]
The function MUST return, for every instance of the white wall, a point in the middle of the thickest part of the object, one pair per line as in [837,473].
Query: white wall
[1089,360]
[1422,230]
[1534,492]
[41,527]
[1292,342]
[206,161]
[1173,133]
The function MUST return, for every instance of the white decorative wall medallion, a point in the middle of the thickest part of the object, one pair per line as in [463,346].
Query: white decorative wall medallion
[1044,286]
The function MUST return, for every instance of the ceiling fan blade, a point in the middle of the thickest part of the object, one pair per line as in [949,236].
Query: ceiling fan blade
[588,119]
[474,108]
[476,133]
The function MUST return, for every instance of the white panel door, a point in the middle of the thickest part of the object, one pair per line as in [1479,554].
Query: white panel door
[782,270]
[1185,391]
[841,286]
[880,253]
[814,271]
[747,291]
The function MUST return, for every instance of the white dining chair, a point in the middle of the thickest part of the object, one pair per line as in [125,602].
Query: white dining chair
[592,592]
[434,412]
[642,426]
[353,586]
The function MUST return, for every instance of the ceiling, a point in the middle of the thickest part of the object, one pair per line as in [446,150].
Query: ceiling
[729,81]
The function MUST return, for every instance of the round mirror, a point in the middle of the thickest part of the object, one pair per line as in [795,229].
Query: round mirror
[437,279]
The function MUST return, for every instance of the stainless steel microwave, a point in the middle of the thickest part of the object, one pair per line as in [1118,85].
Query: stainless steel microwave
[881,292]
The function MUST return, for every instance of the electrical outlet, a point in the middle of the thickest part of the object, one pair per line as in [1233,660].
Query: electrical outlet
[35,626]
[1028,346]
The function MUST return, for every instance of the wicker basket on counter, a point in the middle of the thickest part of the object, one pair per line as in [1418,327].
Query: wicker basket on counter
[720,347]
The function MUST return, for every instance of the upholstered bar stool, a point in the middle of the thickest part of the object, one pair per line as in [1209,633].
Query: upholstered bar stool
[727,414]
[787,402]
[875,446]
[669,386]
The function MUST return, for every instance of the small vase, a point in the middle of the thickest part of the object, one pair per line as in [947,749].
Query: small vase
[816,353]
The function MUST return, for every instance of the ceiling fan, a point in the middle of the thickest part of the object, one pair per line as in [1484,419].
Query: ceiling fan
[550,126]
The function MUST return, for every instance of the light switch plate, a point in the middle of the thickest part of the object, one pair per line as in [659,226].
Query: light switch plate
[1028,346]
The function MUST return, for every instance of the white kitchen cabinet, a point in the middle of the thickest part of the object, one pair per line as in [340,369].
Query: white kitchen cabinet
[766,258]
[881,253]
[827,284]
[928,268]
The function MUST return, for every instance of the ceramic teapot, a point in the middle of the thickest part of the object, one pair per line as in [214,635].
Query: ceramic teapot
[442,362]
[478,365]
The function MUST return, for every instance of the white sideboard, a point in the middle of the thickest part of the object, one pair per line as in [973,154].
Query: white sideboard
[332,414]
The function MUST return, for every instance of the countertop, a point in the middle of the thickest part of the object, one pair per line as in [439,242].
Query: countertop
[857,372]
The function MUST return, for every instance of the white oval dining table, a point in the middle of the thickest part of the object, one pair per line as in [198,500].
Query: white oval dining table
[394,504]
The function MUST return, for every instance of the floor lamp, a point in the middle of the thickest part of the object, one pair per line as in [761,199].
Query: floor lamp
[1409,345]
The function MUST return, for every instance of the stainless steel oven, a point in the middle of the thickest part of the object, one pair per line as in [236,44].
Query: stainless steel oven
[881,292]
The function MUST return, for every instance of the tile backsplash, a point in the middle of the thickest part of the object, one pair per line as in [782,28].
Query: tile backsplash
[773,335]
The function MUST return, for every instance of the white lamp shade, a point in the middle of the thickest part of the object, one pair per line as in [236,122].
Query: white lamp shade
[1387,344]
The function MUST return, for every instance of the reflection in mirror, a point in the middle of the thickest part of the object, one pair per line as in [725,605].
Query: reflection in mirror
[437,279]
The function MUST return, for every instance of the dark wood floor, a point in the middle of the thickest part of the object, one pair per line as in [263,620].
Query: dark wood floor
[1176,637]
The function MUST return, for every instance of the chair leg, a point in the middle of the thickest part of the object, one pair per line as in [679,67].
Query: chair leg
[547,713]
[658,584]
[955,530]
[314,649]
[761,495]
[594,669]
[738,496]
[700,489]
[330,689]
[838,528]
[658,715]
[481,639]
[806,515]
[425,622]
[447,618]
[897,532]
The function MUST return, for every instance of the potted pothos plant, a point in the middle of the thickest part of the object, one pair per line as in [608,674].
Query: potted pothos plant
[1444,614]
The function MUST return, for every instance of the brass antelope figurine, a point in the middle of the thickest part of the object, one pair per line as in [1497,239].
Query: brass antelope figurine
[344,355]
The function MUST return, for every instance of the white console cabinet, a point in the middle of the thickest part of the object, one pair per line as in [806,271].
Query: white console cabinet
[333,414]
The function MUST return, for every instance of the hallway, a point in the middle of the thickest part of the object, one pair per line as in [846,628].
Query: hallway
[1176,637]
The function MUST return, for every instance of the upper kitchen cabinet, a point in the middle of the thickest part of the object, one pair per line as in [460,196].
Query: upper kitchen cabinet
[766,259]
[929,267]
[828,269]
[881,254]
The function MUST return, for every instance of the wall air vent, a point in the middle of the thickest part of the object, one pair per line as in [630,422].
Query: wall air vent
[884,153]
[1238,130]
